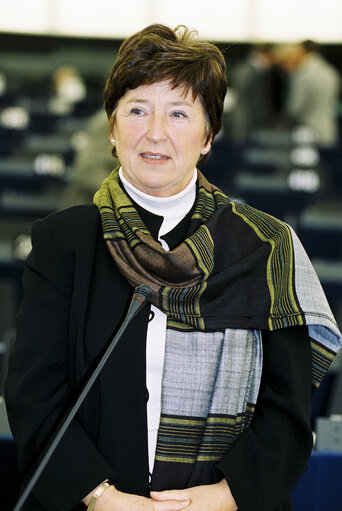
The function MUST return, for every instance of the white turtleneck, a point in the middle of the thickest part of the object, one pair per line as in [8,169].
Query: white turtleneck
[173,209]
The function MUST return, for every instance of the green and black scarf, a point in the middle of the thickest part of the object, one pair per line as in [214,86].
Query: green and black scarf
[238,272]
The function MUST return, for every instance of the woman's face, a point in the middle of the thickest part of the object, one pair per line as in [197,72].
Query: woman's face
[159,135]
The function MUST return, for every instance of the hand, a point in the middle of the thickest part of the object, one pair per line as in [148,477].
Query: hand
[115,500]
[212,497]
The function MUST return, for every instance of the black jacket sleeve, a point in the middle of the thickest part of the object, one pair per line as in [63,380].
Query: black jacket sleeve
[267,460]
[38,386]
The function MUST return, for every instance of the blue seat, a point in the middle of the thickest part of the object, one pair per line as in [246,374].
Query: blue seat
[319,489]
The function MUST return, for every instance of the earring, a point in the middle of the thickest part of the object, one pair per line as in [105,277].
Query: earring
[112,141]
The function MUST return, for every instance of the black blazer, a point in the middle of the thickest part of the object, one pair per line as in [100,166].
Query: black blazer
[74,300]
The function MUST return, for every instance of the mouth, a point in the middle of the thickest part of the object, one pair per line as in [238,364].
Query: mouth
[154,156]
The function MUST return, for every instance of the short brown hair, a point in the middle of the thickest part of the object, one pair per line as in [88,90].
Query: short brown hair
[159,53]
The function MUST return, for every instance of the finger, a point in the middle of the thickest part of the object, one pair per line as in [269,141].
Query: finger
[170,505]
[179,495]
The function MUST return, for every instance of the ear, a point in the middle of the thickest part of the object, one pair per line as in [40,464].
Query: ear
[112,136]
[111,129]
[207,146]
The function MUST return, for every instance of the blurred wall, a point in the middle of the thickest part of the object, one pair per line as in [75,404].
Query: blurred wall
[219,20]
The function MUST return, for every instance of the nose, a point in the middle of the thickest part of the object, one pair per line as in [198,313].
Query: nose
[156,129]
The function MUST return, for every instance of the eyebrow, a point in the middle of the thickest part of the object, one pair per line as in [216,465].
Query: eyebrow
[181,103]
[172,103]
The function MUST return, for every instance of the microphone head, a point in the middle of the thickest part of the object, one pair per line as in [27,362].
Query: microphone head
[143,292]
[140,298]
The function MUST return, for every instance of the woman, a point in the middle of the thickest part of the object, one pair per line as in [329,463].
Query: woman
[205,403]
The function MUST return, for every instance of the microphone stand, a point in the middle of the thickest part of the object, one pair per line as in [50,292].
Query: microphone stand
[141,296]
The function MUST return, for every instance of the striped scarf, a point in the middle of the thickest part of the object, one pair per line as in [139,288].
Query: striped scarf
[239,271]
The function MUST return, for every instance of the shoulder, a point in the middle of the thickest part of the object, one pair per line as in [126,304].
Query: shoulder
[72,223]
[267,227]
[68,233]
[75,215]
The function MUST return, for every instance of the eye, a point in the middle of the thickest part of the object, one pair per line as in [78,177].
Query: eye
[136,111]
[179,115]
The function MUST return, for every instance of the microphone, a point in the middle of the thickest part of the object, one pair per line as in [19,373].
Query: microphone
[140,298]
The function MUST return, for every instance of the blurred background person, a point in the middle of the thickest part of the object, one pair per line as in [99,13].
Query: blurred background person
[68,88]
[253,83]
[313,91]
[93,162]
